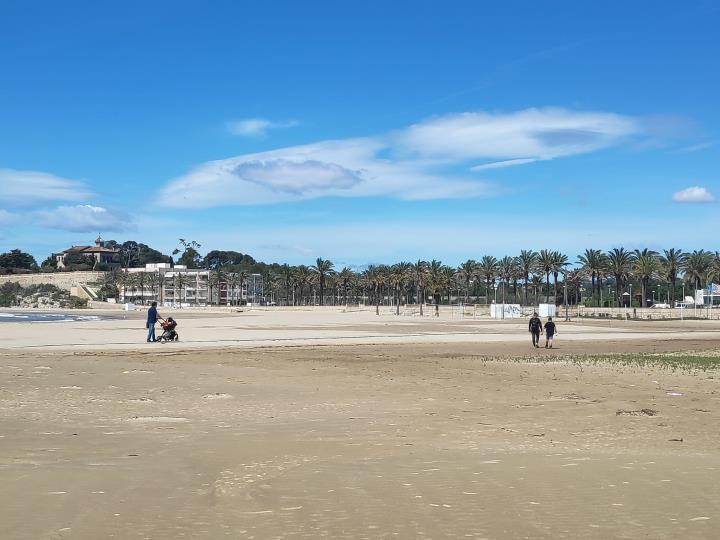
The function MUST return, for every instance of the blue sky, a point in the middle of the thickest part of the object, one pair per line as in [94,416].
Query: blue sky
[360,132]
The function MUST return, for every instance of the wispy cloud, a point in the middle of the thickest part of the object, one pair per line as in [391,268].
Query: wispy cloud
[86,218]
[696,147]
[695,194]
[19,188]
[256,127]
[432,159]
[502,164]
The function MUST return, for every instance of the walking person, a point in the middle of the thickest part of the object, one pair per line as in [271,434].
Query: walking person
[152,318]
[550,331]
[535,328]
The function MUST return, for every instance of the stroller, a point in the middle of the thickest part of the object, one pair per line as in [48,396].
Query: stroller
[169,333]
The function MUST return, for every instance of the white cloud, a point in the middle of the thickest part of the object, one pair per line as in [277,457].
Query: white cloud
[695,194]
[256,127]
[531,133]
[696,147]
[502,164]
[28,187]
[428,160]
[85,218]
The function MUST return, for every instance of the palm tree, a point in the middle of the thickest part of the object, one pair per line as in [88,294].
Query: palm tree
[466,272]
[374,276]
[153,280]
[526,261]
[435,282]
[216,280]
[242,278]
[645,266]
[593,261]
[302,278]
[546,264]
[439,282]
[179,285]
[716,266]
[449,281]
[401,273]
[344,277]
[188,280]
[619,265]
[698,267]
[233,281]
[506,271]
[673,260]
[286,274]
[419,270]
[559,262]
[537,281]
[322,268]
[488,268]
[130,284]
[573,279]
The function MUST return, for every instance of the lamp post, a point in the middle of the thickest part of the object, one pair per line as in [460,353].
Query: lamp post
[567,318]
[682,304]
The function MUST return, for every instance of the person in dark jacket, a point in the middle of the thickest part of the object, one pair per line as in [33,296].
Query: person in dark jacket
[535,329]
[152,318]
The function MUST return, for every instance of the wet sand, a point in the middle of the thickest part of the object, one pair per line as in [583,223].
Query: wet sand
[408,440]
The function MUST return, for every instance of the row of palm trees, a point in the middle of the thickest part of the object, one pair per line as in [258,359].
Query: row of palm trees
[525,278]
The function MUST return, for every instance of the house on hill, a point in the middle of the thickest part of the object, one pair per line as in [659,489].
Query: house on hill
[100,252]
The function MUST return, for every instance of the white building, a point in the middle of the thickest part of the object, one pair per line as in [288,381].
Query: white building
[181,286]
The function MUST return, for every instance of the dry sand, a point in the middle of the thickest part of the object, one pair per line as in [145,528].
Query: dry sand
[420,437]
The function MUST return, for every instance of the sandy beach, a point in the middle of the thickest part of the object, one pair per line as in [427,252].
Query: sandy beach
[322,424]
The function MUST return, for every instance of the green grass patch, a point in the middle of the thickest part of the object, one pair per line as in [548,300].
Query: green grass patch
[684,360]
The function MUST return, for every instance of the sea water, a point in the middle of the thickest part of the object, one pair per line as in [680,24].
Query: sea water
[45,317]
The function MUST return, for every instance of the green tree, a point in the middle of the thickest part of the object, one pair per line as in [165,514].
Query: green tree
[673,261]
[419,271]
[546,265]
[527,261]
[190,256]
[698,268]
[345,276]
[620,265]
[322,268]
[374,277]
[18,260]
[488,268]
[467,272]
[645,266]
[152,281]
[559,262]
[593,261]
[506,268]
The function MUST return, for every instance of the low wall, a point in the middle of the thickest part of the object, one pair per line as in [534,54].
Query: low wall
[63,280]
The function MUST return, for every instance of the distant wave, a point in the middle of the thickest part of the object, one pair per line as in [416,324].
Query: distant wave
[46,317]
